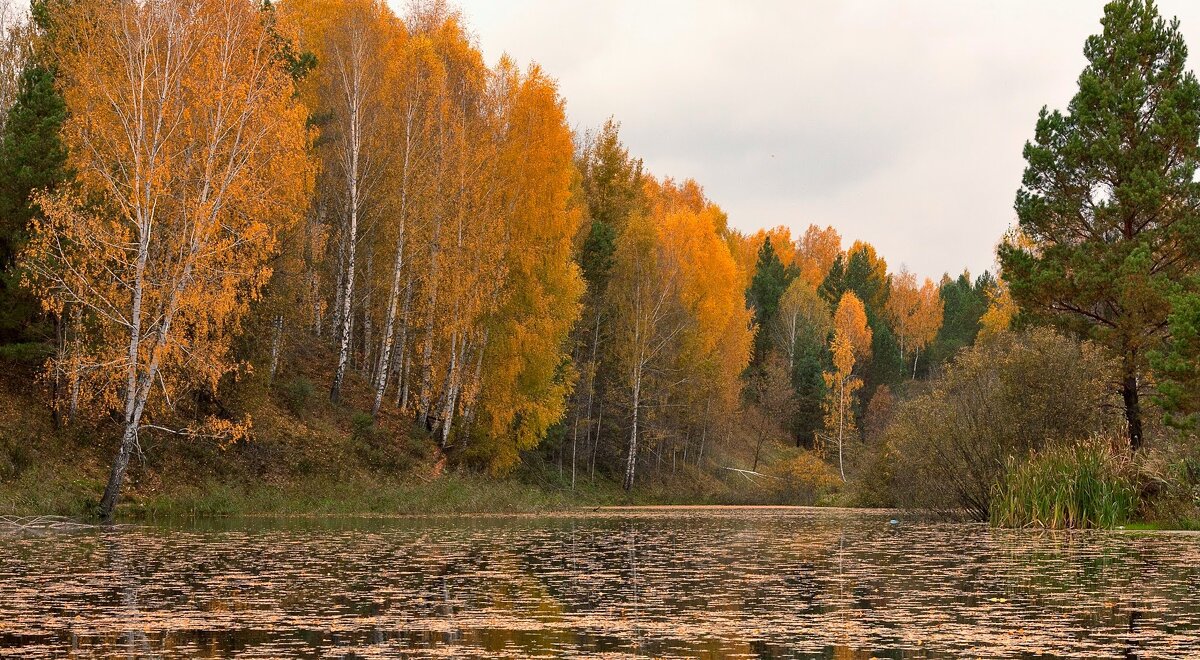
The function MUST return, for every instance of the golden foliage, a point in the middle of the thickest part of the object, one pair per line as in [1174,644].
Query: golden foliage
[816,251]
[1001,311]
[525,382]
[189,153]
[915,312]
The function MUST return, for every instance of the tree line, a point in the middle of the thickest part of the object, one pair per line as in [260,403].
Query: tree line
[195,194]
[193,188]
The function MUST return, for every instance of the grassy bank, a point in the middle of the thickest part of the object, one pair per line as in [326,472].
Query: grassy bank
[450,493]
[308,456]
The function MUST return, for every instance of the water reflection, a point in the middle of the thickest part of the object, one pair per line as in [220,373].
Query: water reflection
[762,583]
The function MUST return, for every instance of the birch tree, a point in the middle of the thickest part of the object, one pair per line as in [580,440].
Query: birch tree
[816,250]
[190,156]
[15,50]
[526,375]
[421,74]
[851,347]
[802,316]
[915,313]
[645,320]
[680,327]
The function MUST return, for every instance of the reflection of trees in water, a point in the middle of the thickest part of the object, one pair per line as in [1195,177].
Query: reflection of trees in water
[697,586]
[631,536]
[122,569]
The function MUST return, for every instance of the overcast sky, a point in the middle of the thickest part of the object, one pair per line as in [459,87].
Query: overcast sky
[898,122]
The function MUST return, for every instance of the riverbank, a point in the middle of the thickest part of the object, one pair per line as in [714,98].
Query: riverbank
[307,456]
[449,493]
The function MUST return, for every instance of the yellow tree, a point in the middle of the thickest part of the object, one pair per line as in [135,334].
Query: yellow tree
[928,319]
[190,157]
[915,313]
[358,45]
[521,369]
[851,346]
[420,76]
[462,235]
[781,240]
[816,251]
[745,255]
[645,321]
[714,349]
[1001,311]
[679,323]
[15,48]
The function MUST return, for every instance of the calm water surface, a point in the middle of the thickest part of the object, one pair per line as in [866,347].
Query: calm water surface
[722,582]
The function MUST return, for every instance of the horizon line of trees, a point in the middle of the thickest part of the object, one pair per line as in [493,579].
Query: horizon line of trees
[194,191]
[181,174]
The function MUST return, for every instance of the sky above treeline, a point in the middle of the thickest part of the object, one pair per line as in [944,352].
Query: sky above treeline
[898,122]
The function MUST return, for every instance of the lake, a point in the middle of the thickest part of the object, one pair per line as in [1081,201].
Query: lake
[660,582]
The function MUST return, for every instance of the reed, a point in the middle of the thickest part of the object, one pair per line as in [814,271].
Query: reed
[1088,485]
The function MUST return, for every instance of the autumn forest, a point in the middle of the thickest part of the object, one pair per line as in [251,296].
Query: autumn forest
[319,248]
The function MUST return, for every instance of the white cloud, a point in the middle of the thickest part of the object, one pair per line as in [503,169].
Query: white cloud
[899,122]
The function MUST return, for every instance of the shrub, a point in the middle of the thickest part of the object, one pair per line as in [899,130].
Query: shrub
[1170,477]
[1001,399]
[297,393]
[804,478]
[377,448]
[1072,487]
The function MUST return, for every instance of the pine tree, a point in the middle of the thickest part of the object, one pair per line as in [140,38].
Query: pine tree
[32,157]
[1109,196]
[771,279]
[964,303]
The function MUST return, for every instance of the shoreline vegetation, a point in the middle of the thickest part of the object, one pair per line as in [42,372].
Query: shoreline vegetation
[313,257]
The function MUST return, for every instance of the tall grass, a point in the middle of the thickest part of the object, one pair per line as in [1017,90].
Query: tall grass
[1074,487]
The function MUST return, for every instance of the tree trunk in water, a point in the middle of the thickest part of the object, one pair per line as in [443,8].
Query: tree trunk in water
[1133,410]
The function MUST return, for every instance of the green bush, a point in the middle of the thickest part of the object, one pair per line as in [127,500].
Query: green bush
[30,353]
[1080,486]
[377,448]
[1011,395]
[297,393]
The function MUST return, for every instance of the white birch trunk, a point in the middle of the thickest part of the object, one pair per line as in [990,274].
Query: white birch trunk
[631,458]
[389,325]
